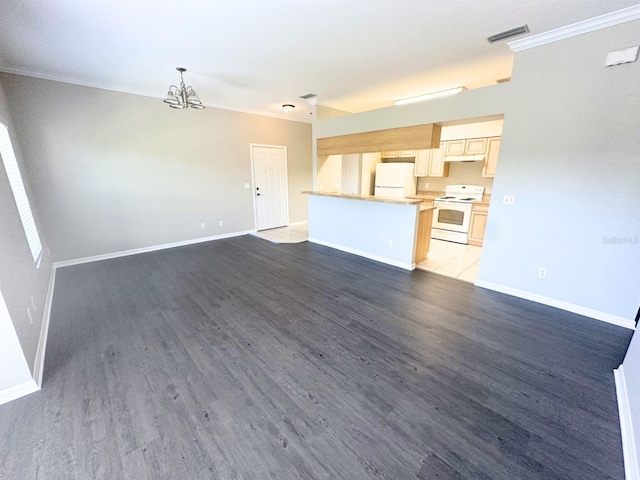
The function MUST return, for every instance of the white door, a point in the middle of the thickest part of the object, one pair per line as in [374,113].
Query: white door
[351,174]
[270,186]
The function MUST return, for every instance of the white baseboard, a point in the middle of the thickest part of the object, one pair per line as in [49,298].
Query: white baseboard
[17,391]
[631,469]
[370,256]
[38,367]
[305,222]
[552,302]
[153,248]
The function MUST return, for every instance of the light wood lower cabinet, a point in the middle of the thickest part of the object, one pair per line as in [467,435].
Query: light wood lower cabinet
[478,224]
[423,242]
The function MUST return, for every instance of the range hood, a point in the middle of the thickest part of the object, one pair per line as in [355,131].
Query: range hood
[464,158]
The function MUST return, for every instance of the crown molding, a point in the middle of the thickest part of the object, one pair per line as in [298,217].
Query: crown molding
[578,28]
[27,72]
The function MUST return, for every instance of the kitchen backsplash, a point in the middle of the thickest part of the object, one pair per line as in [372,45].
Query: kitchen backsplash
[460,173]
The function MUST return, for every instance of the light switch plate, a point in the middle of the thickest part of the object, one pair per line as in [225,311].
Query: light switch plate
[246,185]
[508,200]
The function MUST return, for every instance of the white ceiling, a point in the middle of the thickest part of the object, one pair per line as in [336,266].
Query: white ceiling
[255,55]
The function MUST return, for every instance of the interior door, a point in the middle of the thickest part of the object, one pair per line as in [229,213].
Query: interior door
[270,186]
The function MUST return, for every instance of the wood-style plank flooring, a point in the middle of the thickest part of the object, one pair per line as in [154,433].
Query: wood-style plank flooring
[240,359]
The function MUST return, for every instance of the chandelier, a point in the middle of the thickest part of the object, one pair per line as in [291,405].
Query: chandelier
[182,97]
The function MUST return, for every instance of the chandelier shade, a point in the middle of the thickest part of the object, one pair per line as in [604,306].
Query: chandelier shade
[183,96]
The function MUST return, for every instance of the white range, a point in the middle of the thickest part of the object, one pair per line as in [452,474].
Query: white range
[453,212]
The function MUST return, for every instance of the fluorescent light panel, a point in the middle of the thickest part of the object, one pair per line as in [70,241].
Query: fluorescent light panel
[429,96]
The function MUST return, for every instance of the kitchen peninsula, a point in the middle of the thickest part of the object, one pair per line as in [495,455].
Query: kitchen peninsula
[395,231]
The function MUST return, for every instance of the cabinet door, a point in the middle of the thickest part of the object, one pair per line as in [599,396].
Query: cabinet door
[455,147]
[491,160]
[437,166]
[475,146]
[477,226]
[389,154]
[421,167]
[407,153]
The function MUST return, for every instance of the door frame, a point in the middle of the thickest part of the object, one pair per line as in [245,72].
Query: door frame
[253,181]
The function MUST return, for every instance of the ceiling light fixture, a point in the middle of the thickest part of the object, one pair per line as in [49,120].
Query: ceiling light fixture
[288,107]
[429,96]
[182,97]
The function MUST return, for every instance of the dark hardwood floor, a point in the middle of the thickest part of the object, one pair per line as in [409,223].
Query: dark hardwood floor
[240,359]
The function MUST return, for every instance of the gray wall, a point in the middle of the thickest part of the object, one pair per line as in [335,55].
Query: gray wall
[114,171]
[569,154]
[19,278]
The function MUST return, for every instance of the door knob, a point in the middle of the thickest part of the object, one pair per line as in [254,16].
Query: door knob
[257,194]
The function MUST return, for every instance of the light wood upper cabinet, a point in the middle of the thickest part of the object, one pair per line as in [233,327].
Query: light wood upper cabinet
[475,146]
[469,146]
[491,160]
[437,166]
[421,167]
[407,153]
[454,147]
[400,154]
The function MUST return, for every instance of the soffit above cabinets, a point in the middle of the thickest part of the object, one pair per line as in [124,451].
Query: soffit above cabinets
[416,137]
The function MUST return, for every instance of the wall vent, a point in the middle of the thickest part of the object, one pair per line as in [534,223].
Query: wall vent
[504,80]
[308,96]
[508,34]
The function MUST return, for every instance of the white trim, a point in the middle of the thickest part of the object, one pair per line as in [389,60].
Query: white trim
[552,302]
[631,470]
[578,28]
[153,248]
[253,180]
[28,72]
[17,391]
[370,256]
[38,367]
[304,222]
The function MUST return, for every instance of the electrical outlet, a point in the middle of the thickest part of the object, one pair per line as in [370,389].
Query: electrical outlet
[390,243]
[542,273]
[202,225]
[220,223]
[29,314]
[509,200]
[246,185]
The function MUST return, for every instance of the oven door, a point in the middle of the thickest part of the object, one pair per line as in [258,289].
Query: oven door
[452,216]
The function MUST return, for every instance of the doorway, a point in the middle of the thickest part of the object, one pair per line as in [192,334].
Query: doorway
[270,189]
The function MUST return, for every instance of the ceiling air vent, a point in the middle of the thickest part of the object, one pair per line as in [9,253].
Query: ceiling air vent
[504,80]
[508,34]
[308,96]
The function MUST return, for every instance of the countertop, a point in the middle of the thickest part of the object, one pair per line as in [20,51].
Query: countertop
[422,195]
[370,198]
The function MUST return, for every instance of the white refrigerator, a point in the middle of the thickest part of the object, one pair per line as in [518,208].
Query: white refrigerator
[395,180]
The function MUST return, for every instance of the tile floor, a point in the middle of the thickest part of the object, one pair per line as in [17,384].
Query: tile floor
[452,260]
[292,234]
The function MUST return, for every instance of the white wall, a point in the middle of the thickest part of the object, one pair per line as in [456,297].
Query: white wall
[365,228]
[14,371]
[369,162]
[114,171]
[569,154]
[460,173]
[22,283]
[330,173]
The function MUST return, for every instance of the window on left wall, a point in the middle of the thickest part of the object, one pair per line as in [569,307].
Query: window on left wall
[19,193]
